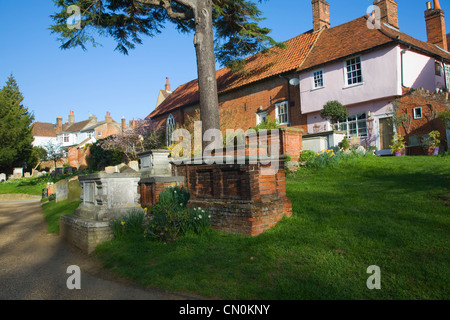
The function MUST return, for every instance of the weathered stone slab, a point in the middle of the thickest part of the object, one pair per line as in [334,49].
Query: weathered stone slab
[2,177]
[62,190]
[108,196]
[74,191]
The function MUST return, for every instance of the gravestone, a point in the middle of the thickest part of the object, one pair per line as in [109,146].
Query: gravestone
[17,173]
[74,191]
[27,175]
[2,177]
[134,165]
[62,190]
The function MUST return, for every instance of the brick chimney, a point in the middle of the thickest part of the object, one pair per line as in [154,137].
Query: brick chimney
[93,118]
[108,117]
[124,124]
[389,12]
[321,14]
[71,118]
[59,124]
[435,21]
[167,85]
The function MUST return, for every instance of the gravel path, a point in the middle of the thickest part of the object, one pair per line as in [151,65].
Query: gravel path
[33,264]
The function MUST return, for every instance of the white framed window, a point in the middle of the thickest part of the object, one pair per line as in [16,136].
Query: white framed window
[353,71]
[66,138]
[417,113]
[447,74]
[99,134]
[261,117]
[317,79]
[355,125]
[282,112]
[437,68]
[170,127]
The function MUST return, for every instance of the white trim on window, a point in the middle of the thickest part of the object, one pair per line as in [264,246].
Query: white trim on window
[355,125]
[417,113]
[317,79]
[261,117]
[282,112]
[353,72]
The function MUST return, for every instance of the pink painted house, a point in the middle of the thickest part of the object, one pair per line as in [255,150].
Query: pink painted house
[366,67]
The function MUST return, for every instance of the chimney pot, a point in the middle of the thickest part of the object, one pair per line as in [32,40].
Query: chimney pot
[435,22]
[167,88]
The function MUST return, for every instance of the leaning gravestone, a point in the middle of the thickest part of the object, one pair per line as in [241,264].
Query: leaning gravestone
[62,190]
[74,191]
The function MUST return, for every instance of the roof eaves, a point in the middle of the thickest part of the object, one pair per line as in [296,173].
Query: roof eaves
[356,53]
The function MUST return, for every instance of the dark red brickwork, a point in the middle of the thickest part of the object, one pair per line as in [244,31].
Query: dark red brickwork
[431,104]
[150,188]
[241,200]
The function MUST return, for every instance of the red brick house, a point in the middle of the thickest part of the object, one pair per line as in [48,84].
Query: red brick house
[365,68]
[74,136]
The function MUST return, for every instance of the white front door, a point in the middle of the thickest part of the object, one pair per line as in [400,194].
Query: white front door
[384,133]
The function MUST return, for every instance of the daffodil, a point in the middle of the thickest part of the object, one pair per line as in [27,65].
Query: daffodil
[122,223]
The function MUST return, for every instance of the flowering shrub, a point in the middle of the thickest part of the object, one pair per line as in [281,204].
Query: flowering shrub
[323,159]
[171,218]
[307,155]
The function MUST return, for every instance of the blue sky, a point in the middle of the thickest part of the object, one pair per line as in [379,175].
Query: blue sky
[99,80]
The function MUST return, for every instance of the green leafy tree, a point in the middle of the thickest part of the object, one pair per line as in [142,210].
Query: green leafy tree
[334,111]
[226,27]
[99,158]
[15,131]
[38,154]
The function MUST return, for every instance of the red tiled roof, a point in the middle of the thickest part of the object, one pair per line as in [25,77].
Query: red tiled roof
[43,129]
[303,52]
[354,37]
[258,67]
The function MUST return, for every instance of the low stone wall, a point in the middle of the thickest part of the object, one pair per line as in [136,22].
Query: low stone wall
[84,234]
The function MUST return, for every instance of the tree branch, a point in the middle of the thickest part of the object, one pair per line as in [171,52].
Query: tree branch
[188,14]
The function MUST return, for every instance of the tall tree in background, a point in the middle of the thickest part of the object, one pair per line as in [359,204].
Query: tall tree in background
[15,131]
[233,22]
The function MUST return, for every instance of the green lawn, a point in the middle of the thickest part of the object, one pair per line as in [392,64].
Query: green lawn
[53,210]
[391,212]
[32,186]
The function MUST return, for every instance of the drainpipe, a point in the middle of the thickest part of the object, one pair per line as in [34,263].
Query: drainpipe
[445,74]
[402,67]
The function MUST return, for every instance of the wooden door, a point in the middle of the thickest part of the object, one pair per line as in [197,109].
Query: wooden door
[386,133]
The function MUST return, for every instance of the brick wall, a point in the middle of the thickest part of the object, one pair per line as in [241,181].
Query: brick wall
[238,107]
[431,104]
[240,199]
[150,188]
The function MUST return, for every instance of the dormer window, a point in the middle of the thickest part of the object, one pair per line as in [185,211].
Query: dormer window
[353,71]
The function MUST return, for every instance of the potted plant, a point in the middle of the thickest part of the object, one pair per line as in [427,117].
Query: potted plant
[398,145]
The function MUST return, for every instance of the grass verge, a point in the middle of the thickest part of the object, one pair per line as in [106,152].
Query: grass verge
[390,212]
[53,210]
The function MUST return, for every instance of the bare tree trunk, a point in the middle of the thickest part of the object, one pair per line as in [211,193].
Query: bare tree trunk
[204,47]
